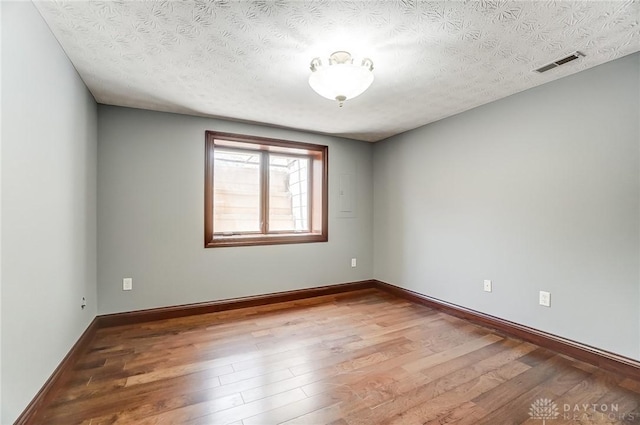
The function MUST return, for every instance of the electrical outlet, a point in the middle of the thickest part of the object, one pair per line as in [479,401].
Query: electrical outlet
[354,262]
[487,285]
[83,303]
[127,284]
[545,298]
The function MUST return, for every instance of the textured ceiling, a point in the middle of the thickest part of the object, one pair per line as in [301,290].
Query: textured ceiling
[249,60]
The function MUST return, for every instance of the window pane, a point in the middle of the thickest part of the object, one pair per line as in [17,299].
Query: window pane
[261,191]
[288,194]
[236,194]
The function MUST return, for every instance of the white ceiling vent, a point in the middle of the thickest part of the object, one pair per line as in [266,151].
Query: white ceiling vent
[571,57]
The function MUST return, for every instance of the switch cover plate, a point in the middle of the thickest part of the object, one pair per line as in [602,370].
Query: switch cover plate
[487,285]
[545,298]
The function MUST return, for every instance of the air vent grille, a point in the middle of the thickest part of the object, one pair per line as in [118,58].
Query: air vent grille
[571,57]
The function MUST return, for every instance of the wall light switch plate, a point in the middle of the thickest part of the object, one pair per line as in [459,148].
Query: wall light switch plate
[127,284]
[545,298]
[487,285]
[354,262]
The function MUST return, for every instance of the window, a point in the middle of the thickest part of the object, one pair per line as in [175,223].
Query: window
[262,191]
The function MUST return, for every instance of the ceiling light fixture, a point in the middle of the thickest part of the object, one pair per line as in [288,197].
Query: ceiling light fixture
[341,79]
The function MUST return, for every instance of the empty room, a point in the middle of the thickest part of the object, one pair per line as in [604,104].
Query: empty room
[320,212]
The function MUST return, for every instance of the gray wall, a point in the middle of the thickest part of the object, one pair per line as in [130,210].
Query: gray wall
[49,142]
[151,217]
[538,191]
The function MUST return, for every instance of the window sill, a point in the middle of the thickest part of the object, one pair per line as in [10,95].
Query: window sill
[275,239]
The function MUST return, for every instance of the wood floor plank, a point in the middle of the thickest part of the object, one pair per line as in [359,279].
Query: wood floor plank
[360,358]
[292,410]
[248,410]
[444,356]
[516,408]
[419,404]
[186,369]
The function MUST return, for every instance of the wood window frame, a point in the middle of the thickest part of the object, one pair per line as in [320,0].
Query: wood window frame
[319,181]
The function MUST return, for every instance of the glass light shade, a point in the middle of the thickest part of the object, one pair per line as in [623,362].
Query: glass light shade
[340,81]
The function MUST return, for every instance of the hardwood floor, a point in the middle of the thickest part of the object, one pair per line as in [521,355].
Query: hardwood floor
[363,357]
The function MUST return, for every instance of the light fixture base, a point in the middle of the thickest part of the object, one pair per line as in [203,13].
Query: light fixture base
[340,57]
[340,79]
